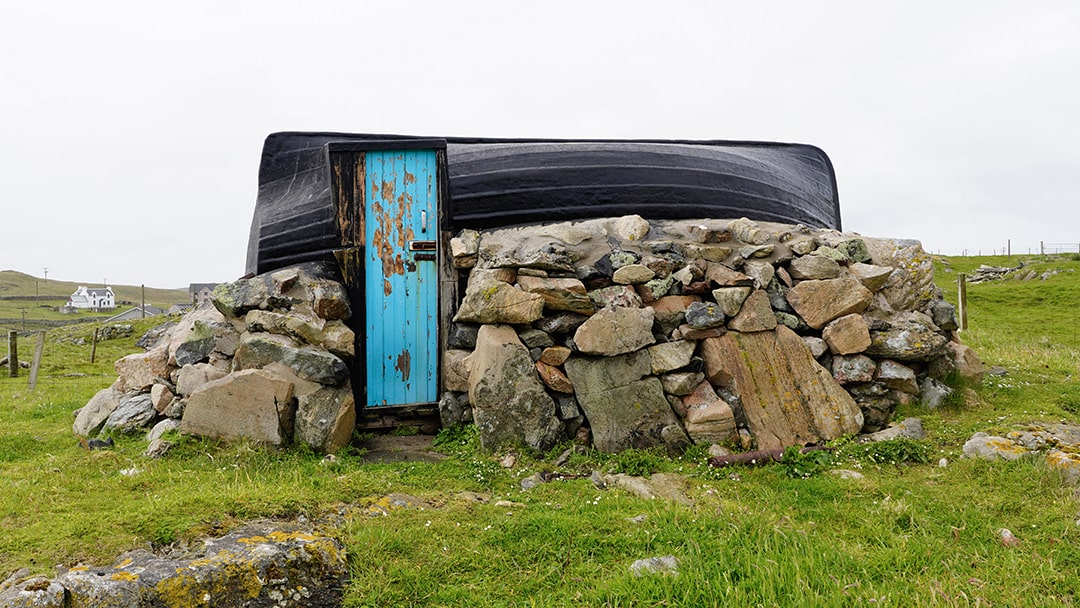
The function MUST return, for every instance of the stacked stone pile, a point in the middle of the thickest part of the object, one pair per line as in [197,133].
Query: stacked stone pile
[269,362]
[671,332]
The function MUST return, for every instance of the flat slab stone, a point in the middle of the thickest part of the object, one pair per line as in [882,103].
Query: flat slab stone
[787,397]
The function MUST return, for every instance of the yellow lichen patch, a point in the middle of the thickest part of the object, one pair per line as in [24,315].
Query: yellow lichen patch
[1004,445]
[124,576]
[281,537]
[252,540]
[123,564]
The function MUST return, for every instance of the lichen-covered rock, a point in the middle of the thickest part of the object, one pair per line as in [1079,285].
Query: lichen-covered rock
[236,298]
[559,294]
[261,565]
[1068,463]
[625,408]
[703,315]
[756,314]
[259,350]
[632,274]
[616,296]
[493,302]
[990,447]
[510,405]
[853,368]
[911,284]
[730,299]
[897,376]
[907,341]
[325,418]
[670,356]
[814,267]
[23,591]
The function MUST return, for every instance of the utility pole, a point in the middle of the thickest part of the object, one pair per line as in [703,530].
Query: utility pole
[46,275]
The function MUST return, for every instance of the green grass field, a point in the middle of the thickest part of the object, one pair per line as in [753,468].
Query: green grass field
[910,533]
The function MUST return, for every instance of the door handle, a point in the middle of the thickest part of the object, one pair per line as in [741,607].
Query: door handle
[422,246]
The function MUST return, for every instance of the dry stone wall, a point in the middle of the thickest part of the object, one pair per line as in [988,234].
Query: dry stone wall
[665,333]
[269,361]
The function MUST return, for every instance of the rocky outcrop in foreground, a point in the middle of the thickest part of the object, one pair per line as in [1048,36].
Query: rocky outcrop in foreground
[664,333]
[261,565]
[268,362]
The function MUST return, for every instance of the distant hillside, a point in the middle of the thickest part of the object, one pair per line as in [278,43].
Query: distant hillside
[14,286]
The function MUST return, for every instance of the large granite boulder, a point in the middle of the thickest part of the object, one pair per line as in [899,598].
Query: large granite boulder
[250,403]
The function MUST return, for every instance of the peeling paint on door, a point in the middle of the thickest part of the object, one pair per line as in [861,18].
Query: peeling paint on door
[402,287]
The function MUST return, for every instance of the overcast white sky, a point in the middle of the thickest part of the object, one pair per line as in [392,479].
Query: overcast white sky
[132,130]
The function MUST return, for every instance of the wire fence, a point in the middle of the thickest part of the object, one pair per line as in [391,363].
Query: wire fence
[1044,248]
[1051,248]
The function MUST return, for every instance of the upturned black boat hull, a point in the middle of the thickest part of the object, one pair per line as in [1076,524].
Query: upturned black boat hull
[501,182]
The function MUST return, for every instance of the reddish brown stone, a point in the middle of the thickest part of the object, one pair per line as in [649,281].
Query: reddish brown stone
[554,378]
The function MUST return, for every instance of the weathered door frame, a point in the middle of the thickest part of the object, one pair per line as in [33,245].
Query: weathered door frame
[346,160]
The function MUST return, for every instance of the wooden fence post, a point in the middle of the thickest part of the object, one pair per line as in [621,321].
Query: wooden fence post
[962,299]
[93,345]
[13,352]
[38,352]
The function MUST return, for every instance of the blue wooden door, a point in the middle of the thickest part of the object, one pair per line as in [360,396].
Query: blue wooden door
[401,287]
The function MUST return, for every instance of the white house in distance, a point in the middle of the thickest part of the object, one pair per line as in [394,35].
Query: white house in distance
[96,299]
[200,292]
